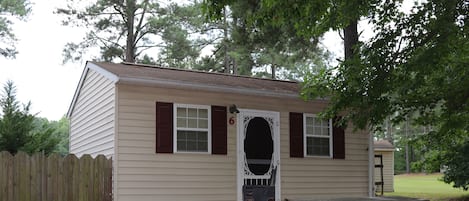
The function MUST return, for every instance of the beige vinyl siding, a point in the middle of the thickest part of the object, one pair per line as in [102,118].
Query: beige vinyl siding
[145,175]
[315,177]
[92,119]
[388,171]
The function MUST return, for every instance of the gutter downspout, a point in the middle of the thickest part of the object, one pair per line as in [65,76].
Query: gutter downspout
[371,166]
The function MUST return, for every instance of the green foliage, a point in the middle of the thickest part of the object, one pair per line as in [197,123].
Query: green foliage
[49,136]
[22,131]
[408,148]
[16,122]
[62,128]
[415,67]
[448,151]
[179,50]
[42,139]
[9,8]
[457,165]
[265,50]
[308,18]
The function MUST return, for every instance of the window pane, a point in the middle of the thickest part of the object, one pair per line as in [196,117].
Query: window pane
[181,112]
[317,131]
[202,147]
[309,146]
[317,146]
[317,122]
[202,136]
[181,140]
[182,135]
[192,123]
[192,112]
[203,123]
[309,121]
[203,113]
[181,122]
[309,130]
[191,136]
[188,119]
[192,141]
[191,146]
[181,145]
[325,131]
[316,151]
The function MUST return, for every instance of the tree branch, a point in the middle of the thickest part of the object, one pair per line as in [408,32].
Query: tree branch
[146,47]
[139,26]
[122,14]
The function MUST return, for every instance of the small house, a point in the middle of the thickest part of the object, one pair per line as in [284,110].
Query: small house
[384,161]
[187,135]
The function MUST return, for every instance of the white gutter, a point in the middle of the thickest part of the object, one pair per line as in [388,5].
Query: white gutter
[371,166]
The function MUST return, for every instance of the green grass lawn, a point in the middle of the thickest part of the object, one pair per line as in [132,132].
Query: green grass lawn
[428,187]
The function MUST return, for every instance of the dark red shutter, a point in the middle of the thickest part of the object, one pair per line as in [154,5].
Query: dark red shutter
[296,135]
[338,137]
[219,130]
[164,127]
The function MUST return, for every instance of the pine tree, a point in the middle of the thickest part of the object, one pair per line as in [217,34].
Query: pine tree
[16,123]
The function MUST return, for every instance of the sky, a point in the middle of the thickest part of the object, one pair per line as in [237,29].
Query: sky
[38,72]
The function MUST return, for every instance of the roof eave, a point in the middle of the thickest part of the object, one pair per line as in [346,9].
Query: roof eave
[205,87]
[384,149]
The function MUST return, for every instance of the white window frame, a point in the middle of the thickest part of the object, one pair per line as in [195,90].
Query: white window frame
[305,135]
[209,129]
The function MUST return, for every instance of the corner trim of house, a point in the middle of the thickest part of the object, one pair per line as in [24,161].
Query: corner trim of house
[371,166]
[115,168]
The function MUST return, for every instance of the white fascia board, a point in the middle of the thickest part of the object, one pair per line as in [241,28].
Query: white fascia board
[198,86]
[111,76]
[89,65]
[383,149]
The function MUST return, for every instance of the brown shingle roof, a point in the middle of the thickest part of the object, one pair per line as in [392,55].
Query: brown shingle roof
[146,74]
[383,145]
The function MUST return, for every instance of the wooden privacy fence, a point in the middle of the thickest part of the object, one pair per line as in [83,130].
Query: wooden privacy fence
[54,178]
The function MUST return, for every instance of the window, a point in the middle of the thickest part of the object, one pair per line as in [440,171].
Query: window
[318,136]
[192,125]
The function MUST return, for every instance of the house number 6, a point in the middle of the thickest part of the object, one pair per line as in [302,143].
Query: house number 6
[232,121]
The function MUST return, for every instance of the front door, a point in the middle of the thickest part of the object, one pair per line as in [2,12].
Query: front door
[258,156]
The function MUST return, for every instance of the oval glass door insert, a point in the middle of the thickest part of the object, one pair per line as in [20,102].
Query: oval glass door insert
[258,146]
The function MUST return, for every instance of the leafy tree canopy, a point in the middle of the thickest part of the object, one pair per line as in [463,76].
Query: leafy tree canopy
[9,9]
[415,67]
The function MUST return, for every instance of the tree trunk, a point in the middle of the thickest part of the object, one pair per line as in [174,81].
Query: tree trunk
[407,159]
[226,60]
[130,46]
[350,39]
[234,66]
[389,133]
[273,66]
